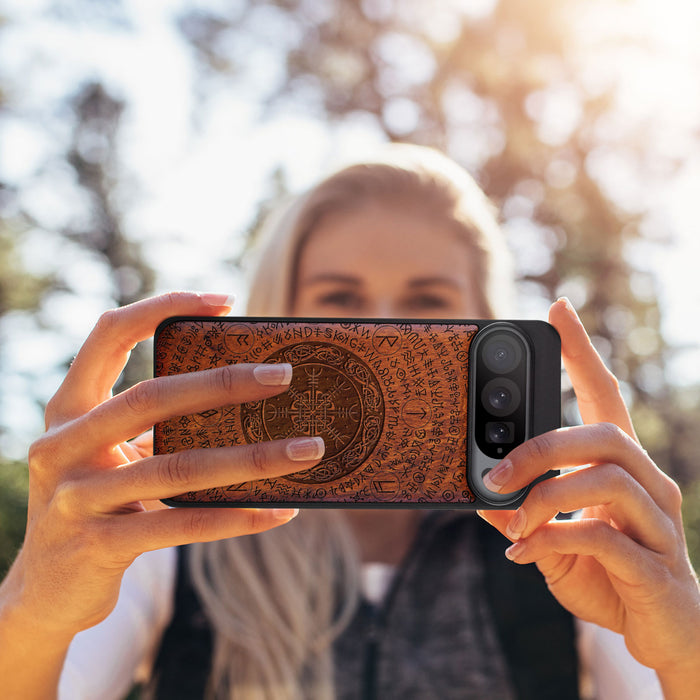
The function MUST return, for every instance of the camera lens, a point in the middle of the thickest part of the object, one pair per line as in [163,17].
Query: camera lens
[500,396]
[502,353]
[499,432]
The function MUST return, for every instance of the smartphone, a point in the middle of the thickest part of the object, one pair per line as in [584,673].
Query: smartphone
[413,413]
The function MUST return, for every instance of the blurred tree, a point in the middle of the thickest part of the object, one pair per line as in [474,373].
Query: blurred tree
[501,87]
[95,234]
[504,86]
[94,156]
[13,510]
[19,290]
[691,519]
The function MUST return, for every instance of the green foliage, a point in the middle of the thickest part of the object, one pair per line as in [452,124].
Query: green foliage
[18,289]
[691,520]
[484,88]
[14,483]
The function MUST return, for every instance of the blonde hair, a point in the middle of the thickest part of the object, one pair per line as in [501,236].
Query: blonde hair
[277,600]
[404,175]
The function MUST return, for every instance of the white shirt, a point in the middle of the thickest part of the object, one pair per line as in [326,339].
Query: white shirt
[104,661]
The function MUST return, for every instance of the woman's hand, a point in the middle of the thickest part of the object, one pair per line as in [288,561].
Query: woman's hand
[88,517]
[624,563]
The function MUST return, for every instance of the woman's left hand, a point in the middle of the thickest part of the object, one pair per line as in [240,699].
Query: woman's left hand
[624,563]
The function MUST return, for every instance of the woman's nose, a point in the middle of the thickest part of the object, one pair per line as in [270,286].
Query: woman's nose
[384,308]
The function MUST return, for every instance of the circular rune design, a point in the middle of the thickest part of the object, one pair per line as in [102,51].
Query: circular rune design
[333,394]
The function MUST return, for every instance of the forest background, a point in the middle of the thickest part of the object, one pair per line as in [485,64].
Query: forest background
[140,143]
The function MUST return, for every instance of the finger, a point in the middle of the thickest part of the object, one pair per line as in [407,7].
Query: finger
[596,388]
[614,550]
[143,444]
[606,486]
[138,448]
[165,476]
[105,352]
[131,452]
[140,407]
[497,518]
[579,445]
[156,529]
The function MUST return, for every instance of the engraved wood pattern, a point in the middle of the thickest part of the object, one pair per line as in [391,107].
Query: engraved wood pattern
[389,400]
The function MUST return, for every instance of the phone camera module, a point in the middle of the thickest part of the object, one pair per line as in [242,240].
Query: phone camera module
[502,353]
[501,393]
[500,432]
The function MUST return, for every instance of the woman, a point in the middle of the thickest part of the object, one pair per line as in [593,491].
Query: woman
[411,236]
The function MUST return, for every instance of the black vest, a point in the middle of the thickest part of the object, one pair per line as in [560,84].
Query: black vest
[535,635]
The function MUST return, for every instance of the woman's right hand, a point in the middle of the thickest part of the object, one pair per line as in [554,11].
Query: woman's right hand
[87,514]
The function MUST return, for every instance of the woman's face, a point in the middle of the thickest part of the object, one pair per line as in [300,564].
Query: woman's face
[388,262]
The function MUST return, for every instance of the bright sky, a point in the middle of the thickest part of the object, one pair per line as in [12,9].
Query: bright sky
[195,188]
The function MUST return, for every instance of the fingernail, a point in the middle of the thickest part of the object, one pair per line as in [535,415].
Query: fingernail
[517,525]
[499,476]
[273,375]
[515,550]
[285,513]
[569,306]
[218,299]
[304,449]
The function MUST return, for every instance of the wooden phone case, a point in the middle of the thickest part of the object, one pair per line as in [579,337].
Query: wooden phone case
[390,400]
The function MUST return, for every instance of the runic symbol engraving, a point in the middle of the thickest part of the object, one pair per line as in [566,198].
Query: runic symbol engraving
[383,486]
[416,413]
[388,339]
[323,403]
[239,338]
[240,488]
[207,418]
[334,395]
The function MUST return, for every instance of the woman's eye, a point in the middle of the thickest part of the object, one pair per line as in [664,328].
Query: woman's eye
[341,300]
[427,302]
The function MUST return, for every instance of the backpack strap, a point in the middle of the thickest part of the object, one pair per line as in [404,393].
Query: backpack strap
[536,633]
